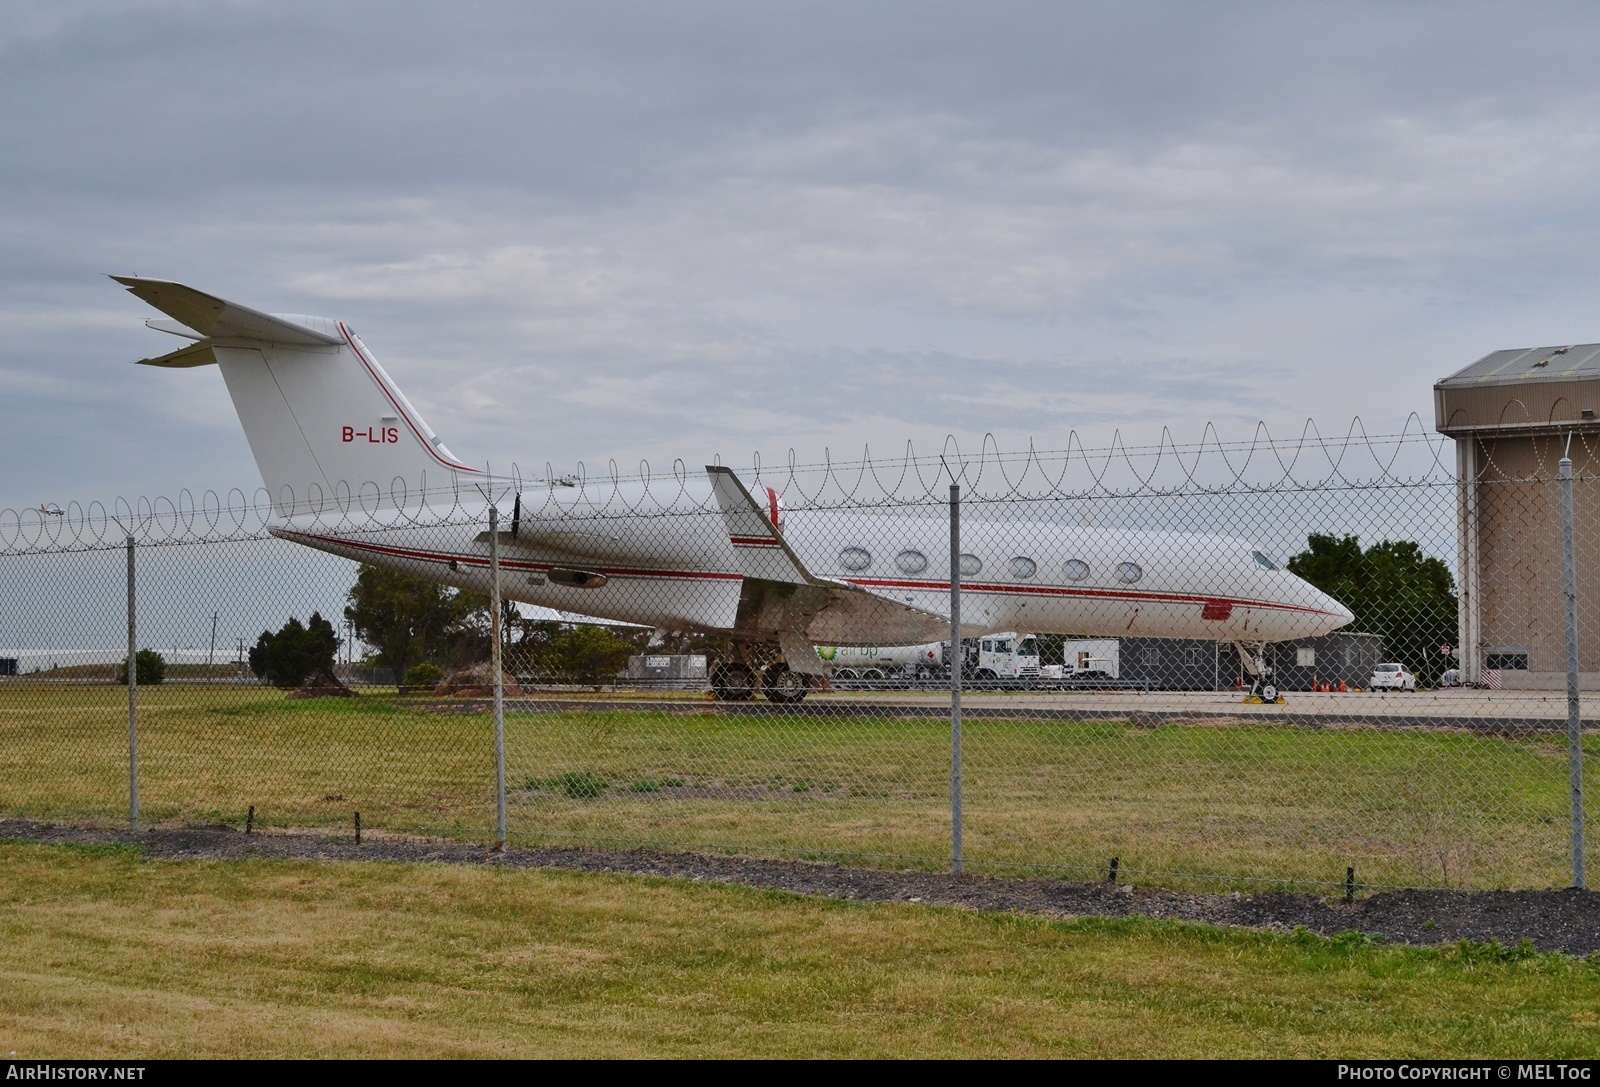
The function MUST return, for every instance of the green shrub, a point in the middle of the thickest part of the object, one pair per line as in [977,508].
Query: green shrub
[149,667]
[424,675]
[586,654]
[295,653]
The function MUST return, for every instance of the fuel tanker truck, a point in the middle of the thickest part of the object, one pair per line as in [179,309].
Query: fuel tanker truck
[994,657]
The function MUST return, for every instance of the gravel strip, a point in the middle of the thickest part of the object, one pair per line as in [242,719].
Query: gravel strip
[1563,920]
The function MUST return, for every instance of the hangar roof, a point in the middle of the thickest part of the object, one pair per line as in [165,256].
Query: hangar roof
[1525,389]
[1572,362]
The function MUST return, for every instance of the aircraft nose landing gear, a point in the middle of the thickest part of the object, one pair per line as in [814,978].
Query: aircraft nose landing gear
[1253,657]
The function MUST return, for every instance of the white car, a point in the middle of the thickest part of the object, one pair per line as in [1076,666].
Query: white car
[1392,677]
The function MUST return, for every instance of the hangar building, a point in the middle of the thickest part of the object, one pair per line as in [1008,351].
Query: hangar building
[1511,414]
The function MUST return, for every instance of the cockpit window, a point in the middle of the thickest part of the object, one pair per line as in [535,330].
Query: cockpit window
[1263,562]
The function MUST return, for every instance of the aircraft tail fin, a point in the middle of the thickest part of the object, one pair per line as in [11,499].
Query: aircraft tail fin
[322,417]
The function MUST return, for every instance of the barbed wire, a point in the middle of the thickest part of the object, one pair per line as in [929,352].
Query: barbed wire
[1310,461]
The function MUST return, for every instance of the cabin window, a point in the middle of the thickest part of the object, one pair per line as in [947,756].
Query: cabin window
[1023,567]
[1129,572]
[987,647]
[970,565]
[855,558]
[1262,561]
[911,562]
[1075,569]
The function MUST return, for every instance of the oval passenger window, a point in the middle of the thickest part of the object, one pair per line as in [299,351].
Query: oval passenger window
[1129,572]
[1023,567]
[911,562]
[970,564]
[855,558]
[1075,569]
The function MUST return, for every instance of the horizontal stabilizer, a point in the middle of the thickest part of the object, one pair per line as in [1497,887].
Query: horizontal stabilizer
[196,354]
[212,316]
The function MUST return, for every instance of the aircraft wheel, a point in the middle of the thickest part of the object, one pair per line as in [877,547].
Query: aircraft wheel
[783,685]
[733,683]
[1269,693]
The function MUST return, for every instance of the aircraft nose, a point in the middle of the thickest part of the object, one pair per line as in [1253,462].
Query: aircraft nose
[1335,608]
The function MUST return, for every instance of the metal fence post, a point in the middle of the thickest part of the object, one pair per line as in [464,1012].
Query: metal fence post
[956,661]
[499,682]
[1574,722]
[133,696]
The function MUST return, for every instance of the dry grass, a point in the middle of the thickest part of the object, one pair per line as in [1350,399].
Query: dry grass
[105,955]
[1180,805]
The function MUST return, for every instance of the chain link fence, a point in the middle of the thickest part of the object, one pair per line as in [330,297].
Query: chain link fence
[1155,673]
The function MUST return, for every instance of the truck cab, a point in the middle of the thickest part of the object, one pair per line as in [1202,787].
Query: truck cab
[1006,656]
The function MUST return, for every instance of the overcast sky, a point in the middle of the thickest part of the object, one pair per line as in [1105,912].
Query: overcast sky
[577,232]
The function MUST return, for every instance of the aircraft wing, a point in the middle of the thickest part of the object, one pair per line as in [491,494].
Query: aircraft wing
[212,316]
[781,597]
[756,540]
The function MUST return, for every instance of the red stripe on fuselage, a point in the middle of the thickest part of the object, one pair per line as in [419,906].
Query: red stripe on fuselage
[865,583]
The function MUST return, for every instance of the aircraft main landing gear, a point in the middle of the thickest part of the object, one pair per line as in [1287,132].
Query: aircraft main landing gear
[783,685]
[736,681]
[733,682]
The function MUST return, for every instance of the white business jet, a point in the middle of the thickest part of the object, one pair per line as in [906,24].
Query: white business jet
[350,466]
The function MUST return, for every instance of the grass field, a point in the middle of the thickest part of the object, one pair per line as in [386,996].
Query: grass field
[103,954]
[1178,805]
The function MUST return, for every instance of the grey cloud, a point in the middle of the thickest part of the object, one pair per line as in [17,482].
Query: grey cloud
[583,232]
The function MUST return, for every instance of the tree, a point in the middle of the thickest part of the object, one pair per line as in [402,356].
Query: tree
[411,619]
[586,654]
[296,652]
[148,667]
[1392,589]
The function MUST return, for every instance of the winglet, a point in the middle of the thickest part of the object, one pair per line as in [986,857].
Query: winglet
[760,548]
